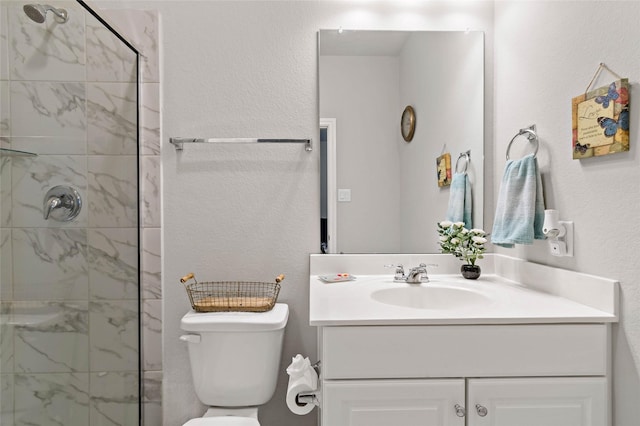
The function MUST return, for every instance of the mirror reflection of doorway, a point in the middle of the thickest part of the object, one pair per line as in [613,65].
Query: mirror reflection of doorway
[328,241]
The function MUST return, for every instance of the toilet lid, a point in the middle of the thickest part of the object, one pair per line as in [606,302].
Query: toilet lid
[222,421]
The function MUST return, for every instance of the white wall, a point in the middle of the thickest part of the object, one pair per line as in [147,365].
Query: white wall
[250,212]
[361,93]
[545,54]
[249,68]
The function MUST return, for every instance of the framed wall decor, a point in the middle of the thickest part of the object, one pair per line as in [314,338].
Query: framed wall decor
[600,120]
[443,167]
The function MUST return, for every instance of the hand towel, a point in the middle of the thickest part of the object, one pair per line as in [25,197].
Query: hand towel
[520,208]
[459,209]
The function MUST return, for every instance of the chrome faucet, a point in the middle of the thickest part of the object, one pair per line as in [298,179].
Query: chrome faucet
[418,275]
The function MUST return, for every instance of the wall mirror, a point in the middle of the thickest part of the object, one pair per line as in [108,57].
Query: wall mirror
[380,192]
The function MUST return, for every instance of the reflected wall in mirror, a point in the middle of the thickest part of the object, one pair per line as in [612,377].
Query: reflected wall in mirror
[380,193]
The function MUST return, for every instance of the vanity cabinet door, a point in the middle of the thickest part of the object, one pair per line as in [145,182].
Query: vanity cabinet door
[393,403]
[571,401]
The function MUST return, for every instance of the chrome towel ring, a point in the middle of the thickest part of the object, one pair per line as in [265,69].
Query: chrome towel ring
[467,158]
[532,136]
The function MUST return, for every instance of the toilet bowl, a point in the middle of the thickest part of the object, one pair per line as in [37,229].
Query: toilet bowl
[235,360]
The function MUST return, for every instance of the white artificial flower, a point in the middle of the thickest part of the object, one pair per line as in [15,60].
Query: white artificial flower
[465,244]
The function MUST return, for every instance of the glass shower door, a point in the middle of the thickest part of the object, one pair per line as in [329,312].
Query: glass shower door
[69,289]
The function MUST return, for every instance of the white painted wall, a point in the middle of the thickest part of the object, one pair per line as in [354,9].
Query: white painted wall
[545,54]
[250,212]
[249,68]
[362,94]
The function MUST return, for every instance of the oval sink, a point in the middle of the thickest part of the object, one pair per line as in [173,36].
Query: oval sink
[428,296]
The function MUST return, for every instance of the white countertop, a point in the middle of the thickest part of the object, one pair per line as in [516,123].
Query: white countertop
[504,301]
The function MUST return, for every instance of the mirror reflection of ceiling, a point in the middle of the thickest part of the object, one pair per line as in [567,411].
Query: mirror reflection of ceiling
[367,78]
[362,43]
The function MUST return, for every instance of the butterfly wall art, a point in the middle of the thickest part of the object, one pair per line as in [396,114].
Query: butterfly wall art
[600,121]
[443,167]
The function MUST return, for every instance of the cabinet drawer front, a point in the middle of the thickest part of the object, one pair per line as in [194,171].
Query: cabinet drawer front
[464,351]
[392,402]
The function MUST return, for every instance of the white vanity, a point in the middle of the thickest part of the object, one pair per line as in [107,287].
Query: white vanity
[525,345]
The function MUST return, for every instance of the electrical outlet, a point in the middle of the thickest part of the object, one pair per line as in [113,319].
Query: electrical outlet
[568,238]
[563,246]
[558,248]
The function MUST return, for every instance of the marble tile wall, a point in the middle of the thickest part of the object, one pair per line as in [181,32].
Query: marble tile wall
[69,291]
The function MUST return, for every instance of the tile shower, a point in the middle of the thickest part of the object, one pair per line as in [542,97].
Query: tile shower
[69,297]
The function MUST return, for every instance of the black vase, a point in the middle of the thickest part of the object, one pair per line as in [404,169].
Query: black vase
[470,272]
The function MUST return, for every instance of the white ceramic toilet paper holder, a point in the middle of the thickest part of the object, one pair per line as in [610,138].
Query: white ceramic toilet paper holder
[305,398]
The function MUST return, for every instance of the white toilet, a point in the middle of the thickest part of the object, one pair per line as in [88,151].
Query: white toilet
[235,359]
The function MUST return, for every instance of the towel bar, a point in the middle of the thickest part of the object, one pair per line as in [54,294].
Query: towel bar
[179,142]
[532,136]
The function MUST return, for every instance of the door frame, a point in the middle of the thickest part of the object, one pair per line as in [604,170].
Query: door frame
[332,191]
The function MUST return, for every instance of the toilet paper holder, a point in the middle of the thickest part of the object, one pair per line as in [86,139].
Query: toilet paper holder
[304,398]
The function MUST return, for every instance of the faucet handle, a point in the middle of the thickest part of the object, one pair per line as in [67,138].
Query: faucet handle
[429,265]
[399,276]
[423,270]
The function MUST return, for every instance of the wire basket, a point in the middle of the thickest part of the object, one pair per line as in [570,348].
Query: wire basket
[228,296]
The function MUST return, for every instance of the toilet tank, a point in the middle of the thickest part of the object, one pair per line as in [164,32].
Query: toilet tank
[235,356]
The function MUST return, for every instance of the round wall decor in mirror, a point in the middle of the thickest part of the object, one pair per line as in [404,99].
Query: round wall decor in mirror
[408,123]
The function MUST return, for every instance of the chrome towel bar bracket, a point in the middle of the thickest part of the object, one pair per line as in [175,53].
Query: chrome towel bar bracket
[179,142]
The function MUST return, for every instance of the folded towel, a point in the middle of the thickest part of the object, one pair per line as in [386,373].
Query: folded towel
[520,208]
[459,209]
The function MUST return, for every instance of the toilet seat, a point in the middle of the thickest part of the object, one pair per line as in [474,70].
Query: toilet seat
[222,421]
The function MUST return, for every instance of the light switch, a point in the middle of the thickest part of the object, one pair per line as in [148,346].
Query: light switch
[344,195]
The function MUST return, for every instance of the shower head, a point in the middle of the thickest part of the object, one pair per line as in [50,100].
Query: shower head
[38,13]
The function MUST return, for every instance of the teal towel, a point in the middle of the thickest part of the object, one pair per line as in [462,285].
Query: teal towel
[520,209]
[459,209]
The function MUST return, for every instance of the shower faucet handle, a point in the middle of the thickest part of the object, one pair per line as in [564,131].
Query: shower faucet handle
[62,203]
[50,205]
